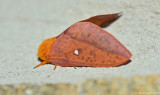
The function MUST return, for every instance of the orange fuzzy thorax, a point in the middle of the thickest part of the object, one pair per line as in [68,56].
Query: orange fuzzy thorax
[44,48]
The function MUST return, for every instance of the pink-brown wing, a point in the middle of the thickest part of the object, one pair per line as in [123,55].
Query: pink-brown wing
[103,20]
[86,44]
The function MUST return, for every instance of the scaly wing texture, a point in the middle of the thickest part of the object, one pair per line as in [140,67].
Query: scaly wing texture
[95,46]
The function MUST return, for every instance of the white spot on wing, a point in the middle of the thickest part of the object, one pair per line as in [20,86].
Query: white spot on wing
[76,52]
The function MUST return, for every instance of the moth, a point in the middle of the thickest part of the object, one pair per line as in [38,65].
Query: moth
[85,43]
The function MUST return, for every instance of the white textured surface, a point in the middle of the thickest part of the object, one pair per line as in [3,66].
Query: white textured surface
[24,24]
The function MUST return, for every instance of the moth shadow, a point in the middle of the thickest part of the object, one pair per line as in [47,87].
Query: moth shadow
[39,59]
[124,63]
[114,66]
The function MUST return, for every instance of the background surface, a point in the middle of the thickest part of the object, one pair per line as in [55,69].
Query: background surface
[24,24]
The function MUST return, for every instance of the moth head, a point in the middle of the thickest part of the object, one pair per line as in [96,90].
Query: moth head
[44,48]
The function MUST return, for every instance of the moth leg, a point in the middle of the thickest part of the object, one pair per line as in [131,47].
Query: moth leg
[55,66]
[42,63]
[74,67]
